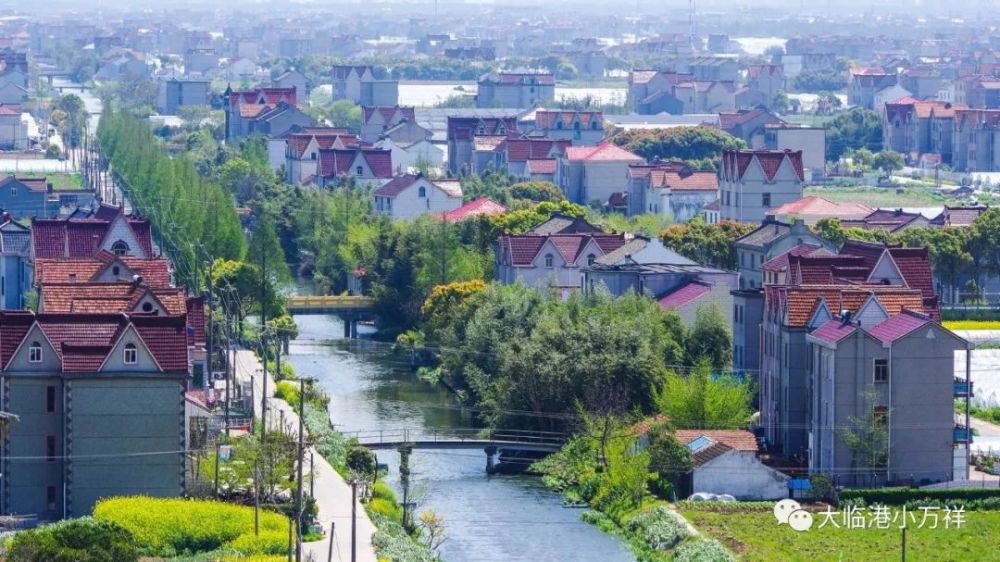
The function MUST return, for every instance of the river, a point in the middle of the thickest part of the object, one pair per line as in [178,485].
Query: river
[500,517]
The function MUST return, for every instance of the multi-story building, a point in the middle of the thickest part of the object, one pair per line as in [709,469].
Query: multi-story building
[357,83]
[361,165]
[410,196]
[594,173]
[375,121]
[919,128]
[463,132]
[176,93]
[515,90]
[865,83]
[302,150]
[976,140]
[17,265]
[670,189]
[582,128]
[752,182]
[897,371]
[810,140]
[265,111]
[71,379]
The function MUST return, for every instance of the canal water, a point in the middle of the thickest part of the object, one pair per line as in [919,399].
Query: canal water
[488,518]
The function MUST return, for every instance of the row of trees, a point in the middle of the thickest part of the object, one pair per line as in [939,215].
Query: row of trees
[700,147]
[194,218]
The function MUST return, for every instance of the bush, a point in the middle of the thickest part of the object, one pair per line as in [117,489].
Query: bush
[388,509]
[899,496]
[271,542]
[289,392]
[659,528]
[382,491]
[165,527]
[392,542]
[702,551]
[74,540]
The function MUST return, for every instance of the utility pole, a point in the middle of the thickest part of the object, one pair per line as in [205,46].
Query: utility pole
[256,497]
[217,470]
[211,328]
[354,520]
[263,341]
[333,537]
[226,372]
[298,495]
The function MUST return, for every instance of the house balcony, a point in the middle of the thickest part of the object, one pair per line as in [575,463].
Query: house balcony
[963,388]
[961,434]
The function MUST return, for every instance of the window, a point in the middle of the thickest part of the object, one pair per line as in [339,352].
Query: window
[881,415]
[590,259]
[119,248]
[147,307]
[881,370]
[13,191]
[422,192]
[35,352]
[559,125]
[50,448]
[116,270]
[50,399]
[131,354]
[50,497]
[313,155]
[594,125]
[360,170]
[548,260]
[765,200]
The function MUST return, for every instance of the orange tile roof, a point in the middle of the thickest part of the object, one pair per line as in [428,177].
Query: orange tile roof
[107,298]
[799,303]
[813,205]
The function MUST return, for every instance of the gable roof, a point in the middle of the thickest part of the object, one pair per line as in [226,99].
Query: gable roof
[546,119]
[817,206]
[335,161]
[834,330]
[74,237]
[563,224]
[898,326]
[685,294]
[155,272]
[798,304]
[736,162]
[524,248]
[481,206]
[603,152]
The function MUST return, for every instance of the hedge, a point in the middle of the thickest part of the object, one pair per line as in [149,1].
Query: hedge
[702,551]
[899,496]
[81,540]
[166,527]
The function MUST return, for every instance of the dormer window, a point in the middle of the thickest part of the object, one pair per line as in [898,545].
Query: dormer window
[313,156]
[481,130]
[119,248]
[116,270]
[548,260]
[501,130]
[422,192]
[590,259]
[35,352]
[360,170]
[131,353]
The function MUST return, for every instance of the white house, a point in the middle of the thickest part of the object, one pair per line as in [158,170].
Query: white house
[412,195]
[594,173]
[413,155]
[752,182]
[725,462]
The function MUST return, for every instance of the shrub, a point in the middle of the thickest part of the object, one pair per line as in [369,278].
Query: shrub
[388,509]
[382,491]
[77,540]
[271,542]
[165,527]
[702,551]
[659,528]
[899,496]
[726,507]
[392,542]
[289,392]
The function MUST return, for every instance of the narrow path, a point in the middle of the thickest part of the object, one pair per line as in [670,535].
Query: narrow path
[333,494]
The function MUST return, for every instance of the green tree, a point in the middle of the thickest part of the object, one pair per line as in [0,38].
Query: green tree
[537,191]
[704,401]
[888,161]
[266,254]
[855,129]
[831,231]
[707,244]
[867,436]
[74,540]
[679,143]
[709,339]
[669,459]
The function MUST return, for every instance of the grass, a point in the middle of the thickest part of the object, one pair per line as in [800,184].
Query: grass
[880,196]
[59,181]
[972,324]
[758,537]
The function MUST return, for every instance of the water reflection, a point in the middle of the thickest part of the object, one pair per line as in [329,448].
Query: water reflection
[496,518]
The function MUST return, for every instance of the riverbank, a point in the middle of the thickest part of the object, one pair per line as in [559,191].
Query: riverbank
[510,517]
[333,494]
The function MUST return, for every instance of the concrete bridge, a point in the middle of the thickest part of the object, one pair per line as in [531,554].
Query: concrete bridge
[491,442]
[351,309]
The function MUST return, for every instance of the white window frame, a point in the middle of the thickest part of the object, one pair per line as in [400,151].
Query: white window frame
[134,349]
[35,352]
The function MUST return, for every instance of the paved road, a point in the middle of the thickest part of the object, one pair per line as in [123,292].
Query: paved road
[333,494]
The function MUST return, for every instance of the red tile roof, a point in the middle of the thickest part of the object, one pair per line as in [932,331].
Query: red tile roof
[520,150]
[107,298]
[299,142]
[604,152]
[823,270]
[481,206]
[155,272]
[898,326]
[335,162]
[196,320]
[524,247]
[391,114]
[737,161]
[780,263]
[797,304]
[737,439]
[813,205]
[685,294]
[834,331]
[82,237]
[549,119]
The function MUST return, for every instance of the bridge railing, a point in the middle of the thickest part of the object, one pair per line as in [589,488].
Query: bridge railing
[330,301]
[406,435]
